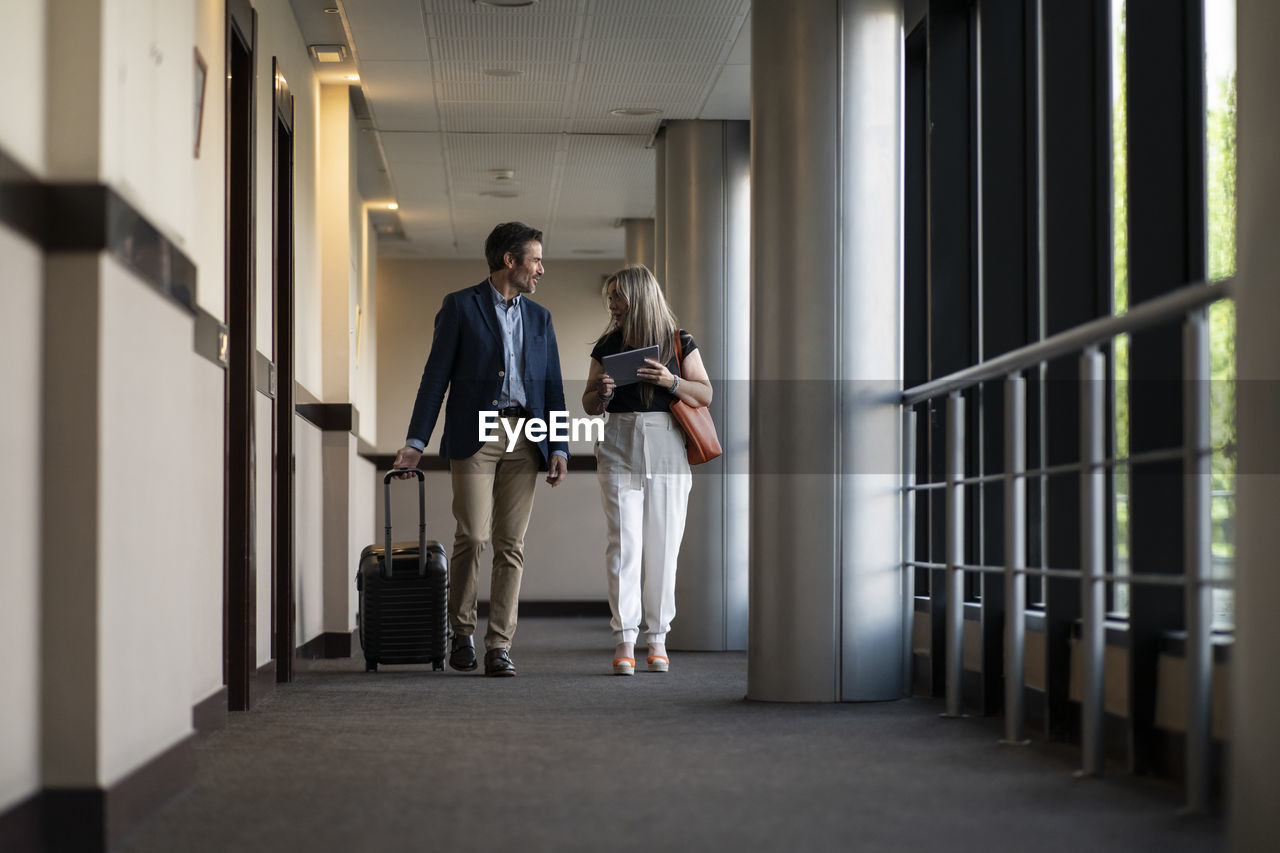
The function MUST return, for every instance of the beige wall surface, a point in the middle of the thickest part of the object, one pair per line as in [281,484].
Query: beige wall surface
[337,252]
[309,524]
[338,448]
[20,343]
[564,546]
[22,67]
[69,497]
[278,37]
[361,530]
[207,241]
[146,516]
[262,523]
[205,550]
[409,295]
[366,352]
[147,76]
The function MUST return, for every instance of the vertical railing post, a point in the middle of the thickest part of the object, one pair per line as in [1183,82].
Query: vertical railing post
[908,544]
[1092,558]
[955,553]
[1015,554]
[1198,554]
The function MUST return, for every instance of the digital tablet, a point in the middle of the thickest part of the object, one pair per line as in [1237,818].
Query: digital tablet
[623,366]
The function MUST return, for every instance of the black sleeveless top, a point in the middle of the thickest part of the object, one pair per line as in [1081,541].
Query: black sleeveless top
[628,397]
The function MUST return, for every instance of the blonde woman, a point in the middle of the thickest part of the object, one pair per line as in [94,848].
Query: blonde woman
[643,471]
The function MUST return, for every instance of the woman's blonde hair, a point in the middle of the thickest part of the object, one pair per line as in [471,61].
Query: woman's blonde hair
[649,319]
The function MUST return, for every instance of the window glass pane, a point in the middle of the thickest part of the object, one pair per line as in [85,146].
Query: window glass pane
[1220,148]
[1120,301]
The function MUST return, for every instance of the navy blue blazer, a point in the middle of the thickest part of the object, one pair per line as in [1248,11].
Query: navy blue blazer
[466,358]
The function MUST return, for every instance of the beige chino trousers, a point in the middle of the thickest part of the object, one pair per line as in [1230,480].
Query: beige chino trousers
[492,500]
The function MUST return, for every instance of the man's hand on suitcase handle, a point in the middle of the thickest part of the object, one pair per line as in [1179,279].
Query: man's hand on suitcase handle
[407,457]
[557,468]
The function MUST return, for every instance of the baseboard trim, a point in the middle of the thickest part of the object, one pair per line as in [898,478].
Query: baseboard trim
[210,714]
[94,819]
[21,827]
[557,609]
[331,644]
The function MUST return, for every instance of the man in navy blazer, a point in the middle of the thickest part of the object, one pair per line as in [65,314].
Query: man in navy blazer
[494,350]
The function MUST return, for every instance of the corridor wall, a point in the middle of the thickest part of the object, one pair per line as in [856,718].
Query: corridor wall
[112,238]
[20,343]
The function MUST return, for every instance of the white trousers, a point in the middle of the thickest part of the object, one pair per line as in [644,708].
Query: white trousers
[644,486]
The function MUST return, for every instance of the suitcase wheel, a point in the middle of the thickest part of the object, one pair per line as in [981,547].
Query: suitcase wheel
[437,664]
[370,666]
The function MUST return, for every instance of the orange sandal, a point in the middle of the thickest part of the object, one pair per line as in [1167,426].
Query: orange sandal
[658,663]
[624,666]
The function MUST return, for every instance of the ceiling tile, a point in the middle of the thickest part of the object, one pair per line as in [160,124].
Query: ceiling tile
[707,31]
[483,28]
[386,29]
[675,8]
[400,95]
[444,123]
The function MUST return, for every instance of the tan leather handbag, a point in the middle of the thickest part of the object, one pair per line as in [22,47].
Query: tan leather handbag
[700,440]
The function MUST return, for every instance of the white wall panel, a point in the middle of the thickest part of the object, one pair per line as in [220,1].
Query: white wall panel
[309,530]
[205,550]
[20,347]
[146,523]
[148,137]
[262,522]
[278,37]
[206,243]
[362,529]
[22,67]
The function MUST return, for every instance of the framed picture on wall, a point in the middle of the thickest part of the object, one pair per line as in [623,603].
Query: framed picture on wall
[202,73]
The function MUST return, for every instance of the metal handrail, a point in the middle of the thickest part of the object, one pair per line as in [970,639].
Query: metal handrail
[1197,580]
[1153,312]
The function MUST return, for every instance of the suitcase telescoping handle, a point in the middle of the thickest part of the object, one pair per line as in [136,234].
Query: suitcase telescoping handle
[422,520]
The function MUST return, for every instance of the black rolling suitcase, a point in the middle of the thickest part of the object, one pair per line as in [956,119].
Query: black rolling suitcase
[404,601]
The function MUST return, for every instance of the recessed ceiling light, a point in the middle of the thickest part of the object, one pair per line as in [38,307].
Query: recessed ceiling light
[393,206]
[332,10]
[502,174]
[500,194]
[629,112]
[351,77]
[505,4]
[503,72]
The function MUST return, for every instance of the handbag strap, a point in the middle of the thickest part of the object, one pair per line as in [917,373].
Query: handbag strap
[679,354]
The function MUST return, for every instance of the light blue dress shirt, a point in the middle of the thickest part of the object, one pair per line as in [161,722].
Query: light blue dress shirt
[511,327]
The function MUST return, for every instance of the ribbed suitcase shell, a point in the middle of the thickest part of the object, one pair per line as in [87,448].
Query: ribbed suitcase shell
[404,607]
[404,618]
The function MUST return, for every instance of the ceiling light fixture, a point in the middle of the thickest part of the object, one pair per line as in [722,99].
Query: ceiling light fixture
[393,206]
[352,77]
[332,10]
[500,194]
[503,72]
[502,174]
[505,4]
[329,52]
[630,112]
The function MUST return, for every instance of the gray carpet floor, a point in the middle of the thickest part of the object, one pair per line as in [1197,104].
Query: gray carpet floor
[568,757]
